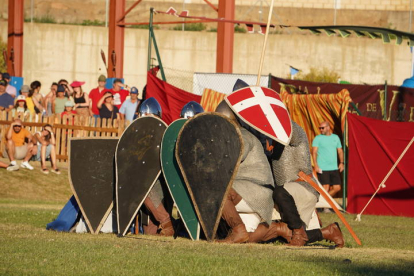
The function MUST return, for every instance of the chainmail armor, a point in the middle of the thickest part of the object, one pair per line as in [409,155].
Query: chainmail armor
[156,194]
[295,158]
[254,180]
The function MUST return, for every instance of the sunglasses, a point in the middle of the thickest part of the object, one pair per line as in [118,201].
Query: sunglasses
[17,126]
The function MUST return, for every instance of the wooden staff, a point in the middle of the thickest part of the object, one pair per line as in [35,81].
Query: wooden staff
[264,44]
[104,61]
[308,179]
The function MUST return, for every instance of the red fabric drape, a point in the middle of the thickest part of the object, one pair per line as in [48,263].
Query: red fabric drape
[374,147]
[171,98]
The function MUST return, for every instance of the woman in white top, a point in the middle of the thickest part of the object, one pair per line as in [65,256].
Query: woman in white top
[46,146]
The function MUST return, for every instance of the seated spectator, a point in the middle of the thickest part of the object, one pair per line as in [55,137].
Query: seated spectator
[81,99]
[6,101]
[46,147]
[50,97]
[60,100]
[106,107]
[10,89]
[16,147]
[130,106]
[20,109]
[37,97]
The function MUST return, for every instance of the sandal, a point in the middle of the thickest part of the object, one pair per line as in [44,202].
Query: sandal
[45,171]
[57,171]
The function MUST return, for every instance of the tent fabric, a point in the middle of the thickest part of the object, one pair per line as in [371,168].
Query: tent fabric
[374,147]
[171,98]
[309,110]
[370,99]
[211,99]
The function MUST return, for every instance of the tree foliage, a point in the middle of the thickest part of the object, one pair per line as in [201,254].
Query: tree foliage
[319,75]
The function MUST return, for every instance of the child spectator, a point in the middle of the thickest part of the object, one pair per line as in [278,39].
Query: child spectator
[46,147]
[60,100]
[20,109]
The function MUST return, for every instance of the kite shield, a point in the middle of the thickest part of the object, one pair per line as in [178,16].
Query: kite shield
[138,166]
[208,151]
[262,109]
[91,175]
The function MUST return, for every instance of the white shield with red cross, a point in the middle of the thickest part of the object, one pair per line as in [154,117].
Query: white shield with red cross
[262,109]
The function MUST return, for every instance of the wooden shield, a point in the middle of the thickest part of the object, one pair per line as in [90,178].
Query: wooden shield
[175,180]
[208,151]
[263,109]
[138,166]
[92,178]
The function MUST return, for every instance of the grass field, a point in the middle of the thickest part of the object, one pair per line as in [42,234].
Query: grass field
[29,200]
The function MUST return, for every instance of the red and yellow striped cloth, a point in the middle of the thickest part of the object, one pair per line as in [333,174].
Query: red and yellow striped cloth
[309,110]
[211,99]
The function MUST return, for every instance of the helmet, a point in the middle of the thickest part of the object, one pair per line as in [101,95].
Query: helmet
[191,109]
[150,106]
[224,109]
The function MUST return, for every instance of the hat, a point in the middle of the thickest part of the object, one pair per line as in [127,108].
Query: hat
[3,82]
[77,84]
[102,78]
[6,76]
[117,80]
[21,98]
[69,104]
[25,89]
[134,90]
[60,88]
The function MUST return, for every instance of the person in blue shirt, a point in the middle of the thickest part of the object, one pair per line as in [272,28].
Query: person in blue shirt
[6,101]
[326,148]
[130,106]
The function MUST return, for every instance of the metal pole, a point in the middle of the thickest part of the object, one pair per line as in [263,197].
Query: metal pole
[345,172]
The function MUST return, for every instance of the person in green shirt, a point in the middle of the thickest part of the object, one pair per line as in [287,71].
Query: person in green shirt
[326,148]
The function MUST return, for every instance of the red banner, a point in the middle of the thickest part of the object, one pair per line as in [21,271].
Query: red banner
[370,99]
[171,98]
[374,147]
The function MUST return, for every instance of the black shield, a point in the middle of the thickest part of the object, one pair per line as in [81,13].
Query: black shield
[208,152]
[137,166]
[91,177]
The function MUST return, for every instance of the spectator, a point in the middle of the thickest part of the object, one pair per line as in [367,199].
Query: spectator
[49,99]
[20,109]
[10,89]
[25,91]
[326,148]
[68,89]
[46,147]
[129,107]
[69,109]
[119,93]
[6,101]
[81,99]
[37,97]
[60,100]
[96,94]
[16,147]
[107,109]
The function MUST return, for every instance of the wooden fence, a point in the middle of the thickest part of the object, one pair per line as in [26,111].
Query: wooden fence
[64,128]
